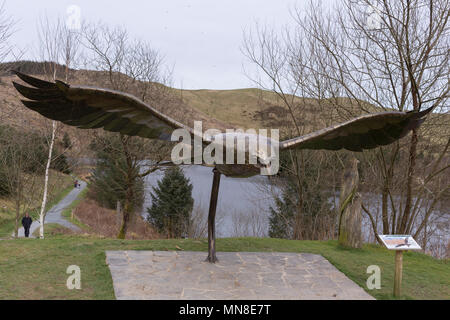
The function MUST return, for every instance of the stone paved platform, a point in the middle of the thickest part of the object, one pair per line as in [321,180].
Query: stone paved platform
[181,275]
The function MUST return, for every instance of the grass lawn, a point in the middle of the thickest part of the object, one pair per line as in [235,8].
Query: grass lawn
[52,229]
[36,269]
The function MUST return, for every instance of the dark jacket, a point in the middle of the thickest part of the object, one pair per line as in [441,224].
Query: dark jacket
[26,222]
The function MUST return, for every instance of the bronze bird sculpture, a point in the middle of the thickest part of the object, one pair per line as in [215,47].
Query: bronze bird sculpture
[91,108]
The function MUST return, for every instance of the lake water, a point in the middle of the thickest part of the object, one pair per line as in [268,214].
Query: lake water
[243,205]
[240,200]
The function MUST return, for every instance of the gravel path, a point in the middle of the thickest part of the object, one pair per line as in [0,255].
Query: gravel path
[54,214]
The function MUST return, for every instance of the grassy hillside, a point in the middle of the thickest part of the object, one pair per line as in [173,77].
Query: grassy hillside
[252,108]
[36,269]
[220,109]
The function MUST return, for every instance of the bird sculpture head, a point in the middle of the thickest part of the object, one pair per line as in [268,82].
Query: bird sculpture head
[245,150]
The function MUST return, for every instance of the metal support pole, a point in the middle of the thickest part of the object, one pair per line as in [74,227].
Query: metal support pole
[212,218]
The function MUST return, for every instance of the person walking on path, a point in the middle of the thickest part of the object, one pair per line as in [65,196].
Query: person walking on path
[26,223]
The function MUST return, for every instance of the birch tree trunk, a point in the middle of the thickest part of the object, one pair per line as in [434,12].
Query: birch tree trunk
[47,169]
[58,42]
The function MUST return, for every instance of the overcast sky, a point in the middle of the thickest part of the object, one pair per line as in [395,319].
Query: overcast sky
[200,38]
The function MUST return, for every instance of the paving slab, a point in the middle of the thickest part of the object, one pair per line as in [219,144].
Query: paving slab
[183,275]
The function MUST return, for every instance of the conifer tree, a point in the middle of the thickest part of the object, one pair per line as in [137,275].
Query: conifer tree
[110,180]
[172,204]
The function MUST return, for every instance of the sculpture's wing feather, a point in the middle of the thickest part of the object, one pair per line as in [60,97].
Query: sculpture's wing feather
[91,108]
[365,132]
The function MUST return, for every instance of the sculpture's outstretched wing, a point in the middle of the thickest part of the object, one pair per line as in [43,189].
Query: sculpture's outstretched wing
[91,108]
[365,132]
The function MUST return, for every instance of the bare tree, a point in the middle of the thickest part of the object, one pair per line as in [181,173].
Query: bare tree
[132,67]
[400,62]
[143,65]
[6,49]
[107,49]
[20,161]
[6,30]
[290,82]
[58,44]
[363,56]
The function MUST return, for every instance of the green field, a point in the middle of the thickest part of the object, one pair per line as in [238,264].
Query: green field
[36,269]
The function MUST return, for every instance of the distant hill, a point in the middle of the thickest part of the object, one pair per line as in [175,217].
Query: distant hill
[241,108]
[220,109]
[32,67]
